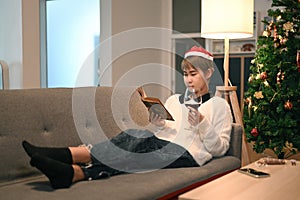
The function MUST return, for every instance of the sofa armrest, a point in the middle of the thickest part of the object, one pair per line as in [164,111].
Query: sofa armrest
[235,147]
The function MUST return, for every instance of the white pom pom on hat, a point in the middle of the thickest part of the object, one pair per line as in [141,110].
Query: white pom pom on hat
[199,51]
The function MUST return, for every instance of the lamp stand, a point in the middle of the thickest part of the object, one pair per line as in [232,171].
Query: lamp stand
[229,93]
[5,74]
[226,60]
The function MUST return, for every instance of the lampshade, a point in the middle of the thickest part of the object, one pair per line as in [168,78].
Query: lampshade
[227,18]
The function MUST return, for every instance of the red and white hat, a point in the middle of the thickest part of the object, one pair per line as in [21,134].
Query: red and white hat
[198,51]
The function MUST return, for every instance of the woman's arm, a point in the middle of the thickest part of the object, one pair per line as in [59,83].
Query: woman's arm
[215,128]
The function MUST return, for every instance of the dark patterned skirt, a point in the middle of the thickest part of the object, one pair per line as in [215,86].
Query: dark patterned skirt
[135,151]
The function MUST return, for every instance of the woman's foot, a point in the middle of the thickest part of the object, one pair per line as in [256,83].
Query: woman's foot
[59,154]
[59,174]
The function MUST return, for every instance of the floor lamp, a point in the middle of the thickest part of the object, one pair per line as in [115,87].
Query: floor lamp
[228,19]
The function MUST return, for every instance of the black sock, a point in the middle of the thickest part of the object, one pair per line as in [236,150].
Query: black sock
[59,154]
[59,174]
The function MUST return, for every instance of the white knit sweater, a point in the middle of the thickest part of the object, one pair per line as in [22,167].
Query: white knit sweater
[212,135]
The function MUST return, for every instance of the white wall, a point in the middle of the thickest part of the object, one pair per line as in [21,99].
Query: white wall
[262,6]
[129,15]
[11,39]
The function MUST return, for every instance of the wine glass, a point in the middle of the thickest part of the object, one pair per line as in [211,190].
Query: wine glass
[190,99]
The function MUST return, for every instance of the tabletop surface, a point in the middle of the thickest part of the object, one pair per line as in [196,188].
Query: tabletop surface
[283,183]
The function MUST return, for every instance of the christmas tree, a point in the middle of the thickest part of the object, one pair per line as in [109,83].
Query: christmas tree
[272,101]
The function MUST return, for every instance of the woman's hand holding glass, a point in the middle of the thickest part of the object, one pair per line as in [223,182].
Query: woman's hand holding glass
[194,116]
[192,102]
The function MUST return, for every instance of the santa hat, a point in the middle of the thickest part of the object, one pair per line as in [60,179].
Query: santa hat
[199,51]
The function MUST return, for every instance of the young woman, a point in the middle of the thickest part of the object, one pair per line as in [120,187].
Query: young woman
[170,144]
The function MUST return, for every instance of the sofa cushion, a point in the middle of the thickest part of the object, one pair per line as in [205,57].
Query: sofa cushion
[150,185]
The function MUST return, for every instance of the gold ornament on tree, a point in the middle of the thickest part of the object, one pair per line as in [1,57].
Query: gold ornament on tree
[288,105]
[283,40]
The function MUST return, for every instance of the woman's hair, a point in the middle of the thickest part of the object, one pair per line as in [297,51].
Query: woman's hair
[197,62]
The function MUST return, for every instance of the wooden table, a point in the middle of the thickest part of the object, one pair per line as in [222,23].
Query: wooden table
[284,183]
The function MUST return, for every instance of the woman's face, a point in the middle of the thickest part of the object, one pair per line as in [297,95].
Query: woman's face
[195,79]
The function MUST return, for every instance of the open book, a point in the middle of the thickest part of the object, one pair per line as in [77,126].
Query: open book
[154,105]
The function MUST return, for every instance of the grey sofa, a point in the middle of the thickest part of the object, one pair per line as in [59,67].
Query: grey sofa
[68,117]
